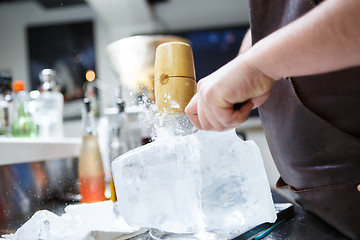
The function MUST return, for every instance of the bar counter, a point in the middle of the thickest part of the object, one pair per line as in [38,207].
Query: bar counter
[302,226]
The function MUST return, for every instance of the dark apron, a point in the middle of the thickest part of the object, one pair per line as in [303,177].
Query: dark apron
[312,125]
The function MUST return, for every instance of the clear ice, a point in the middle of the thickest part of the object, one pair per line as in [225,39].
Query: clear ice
[202,182]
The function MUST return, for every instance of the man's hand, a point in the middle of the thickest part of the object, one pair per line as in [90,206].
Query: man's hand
[212,108]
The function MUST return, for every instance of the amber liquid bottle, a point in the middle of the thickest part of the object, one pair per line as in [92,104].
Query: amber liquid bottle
[91,170]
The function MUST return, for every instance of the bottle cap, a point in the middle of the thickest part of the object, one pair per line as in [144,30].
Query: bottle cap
[174,76]
[47,77]
[87,105]
[19,85]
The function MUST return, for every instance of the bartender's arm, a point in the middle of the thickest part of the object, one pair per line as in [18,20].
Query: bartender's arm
[246,42]
[325,39]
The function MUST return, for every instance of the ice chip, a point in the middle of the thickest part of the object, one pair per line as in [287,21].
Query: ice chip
[207,181]
[43,225]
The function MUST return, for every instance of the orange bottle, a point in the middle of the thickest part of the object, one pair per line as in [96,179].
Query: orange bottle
[91,171]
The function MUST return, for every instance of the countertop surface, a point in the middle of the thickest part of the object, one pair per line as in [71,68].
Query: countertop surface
[301,226]
[21,150]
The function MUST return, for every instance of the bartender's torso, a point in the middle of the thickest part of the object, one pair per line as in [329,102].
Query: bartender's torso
[302,113]
[312,125]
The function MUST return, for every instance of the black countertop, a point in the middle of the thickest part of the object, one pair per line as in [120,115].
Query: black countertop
[304,225]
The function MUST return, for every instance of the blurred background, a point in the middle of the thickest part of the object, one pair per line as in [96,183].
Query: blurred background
[71,36]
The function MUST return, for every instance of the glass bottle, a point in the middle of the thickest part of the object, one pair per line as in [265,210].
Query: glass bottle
[23,126]
[90,171]
[5,130]
[118,140]
[4,117]
[48,112]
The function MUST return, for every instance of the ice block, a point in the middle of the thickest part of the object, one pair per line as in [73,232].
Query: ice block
[206,181]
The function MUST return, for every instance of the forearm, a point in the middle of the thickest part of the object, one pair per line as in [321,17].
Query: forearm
[246,42]
[325,39]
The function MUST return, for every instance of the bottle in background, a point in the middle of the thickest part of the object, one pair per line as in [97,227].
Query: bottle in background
[23,125]
[4,117]
[48,107]
[5,105]
[90,170]
[118,140]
